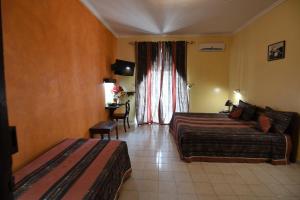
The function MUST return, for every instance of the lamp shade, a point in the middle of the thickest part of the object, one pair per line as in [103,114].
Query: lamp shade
[228,103]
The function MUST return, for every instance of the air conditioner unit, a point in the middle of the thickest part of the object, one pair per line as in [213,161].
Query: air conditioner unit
[212,47]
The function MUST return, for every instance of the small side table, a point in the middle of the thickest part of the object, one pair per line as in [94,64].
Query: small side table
[104,127]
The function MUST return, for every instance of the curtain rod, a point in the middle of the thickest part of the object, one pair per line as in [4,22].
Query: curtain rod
[133,42]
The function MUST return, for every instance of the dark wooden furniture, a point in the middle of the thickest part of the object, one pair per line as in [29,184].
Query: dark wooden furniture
[112,107]
[124,115]
[104,128]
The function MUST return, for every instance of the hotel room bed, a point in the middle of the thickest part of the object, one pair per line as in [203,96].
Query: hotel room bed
[75,169]
[216,137]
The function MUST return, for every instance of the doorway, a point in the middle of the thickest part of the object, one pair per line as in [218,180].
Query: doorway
[6,181]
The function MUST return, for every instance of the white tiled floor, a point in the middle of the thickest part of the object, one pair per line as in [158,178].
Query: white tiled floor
[158,173]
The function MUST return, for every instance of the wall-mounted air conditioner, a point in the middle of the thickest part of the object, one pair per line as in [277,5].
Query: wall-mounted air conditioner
[212,47]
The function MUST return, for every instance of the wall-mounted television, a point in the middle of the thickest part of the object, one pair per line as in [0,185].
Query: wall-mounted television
[123,67]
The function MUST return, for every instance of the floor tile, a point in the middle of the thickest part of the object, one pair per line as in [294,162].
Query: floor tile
[150,175]
[187,197]
[216,178]
[165,167]
[158,173]
[247,197]
[129,195]
[200,177]
[204,188]
[222,189]
[195,168]
[185,188]
[167,196]
[148,196]
[294,189]
[234,179]
[228,197]
[207,197]
[182,176]
[166,176]
[130,184]
[147,185]
[261,190]
[167,187]
[279,190]
[240,189]
[137,174]
[211,168]
[227,169]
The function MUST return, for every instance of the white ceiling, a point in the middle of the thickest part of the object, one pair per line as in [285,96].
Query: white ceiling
[176,17]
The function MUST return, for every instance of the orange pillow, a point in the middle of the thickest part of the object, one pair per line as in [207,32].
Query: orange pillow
[265,123]
[236,113]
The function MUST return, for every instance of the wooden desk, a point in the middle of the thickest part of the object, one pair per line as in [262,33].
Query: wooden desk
[111,108]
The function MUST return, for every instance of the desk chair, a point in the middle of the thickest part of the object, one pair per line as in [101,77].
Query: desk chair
[124,115]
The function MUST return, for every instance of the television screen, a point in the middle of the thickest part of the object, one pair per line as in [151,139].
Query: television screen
[124,68]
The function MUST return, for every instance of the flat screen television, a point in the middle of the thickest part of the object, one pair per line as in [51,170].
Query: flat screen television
[123,67]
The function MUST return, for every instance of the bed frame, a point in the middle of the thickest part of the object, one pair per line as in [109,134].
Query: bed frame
[293,132]
[76,169]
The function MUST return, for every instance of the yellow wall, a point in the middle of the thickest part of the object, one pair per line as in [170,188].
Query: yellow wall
[273,83]
[56,54]
[207,71]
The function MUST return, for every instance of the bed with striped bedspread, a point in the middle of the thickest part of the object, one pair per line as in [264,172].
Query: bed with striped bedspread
[215,137]
[75,169]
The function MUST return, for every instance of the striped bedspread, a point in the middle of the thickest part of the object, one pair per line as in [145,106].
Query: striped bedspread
[215,137]
[75,169]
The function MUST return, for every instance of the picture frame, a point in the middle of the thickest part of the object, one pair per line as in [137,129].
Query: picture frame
[276,51]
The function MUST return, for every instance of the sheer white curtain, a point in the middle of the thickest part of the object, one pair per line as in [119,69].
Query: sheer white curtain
[161,87]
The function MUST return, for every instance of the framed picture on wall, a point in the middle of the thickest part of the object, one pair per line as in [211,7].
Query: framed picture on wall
[276,51]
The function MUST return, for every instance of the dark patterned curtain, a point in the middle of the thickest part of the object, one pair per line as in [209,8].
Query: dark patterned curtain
[161,86]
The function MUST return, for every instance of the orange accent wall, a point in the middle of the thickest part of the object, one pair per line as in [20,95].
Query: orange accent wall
[56,55]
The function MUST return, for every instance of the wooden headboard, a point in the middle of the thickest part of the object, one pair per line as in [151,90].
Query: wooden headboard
[293,131]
